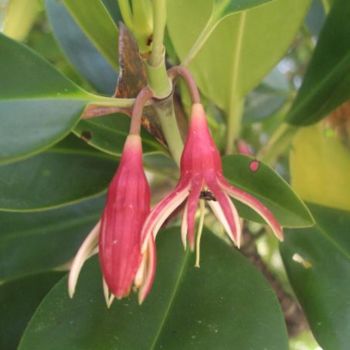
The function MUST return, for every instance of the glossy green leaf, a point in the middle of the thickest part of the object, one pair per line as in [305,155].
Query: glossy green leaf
[270,188]
[108,134]
[37,242]
[57,177]
[320,167]
[317,261]
[240,51]
[96,22]
[18,301]
[83,55]
[183,311]
[326,83]
[38,106]
[19,17]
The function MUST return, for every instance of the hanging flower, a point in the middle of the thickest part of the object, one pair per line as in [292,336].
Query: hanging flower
[202,177]
[117,236]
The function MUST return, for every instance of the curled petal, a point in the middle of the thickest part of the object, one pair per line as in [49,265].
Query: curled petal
[228,210]
[85,251]
[217,210]
[150,269]
[256,205]
[161,212]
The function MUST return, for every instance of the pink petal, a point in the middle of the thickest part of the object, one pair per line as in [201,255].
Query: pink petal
[191,210]
[228,209]
[161,212]
[256,205]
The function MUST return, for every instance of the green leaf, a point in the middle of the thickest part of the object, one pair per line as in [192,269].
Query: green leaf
[38,106]
[19,18]
[83,55]
[57,177]
[240,51]
[320,167]
[108,134]
[317,261]
[212,13]
[36,242]
[18,301]
[183,310]
[98,25]
[327,81]
[270,188]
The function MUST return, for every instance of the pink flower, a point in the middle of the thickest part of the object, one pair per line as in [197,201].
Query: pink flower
[118,234]
[202,177]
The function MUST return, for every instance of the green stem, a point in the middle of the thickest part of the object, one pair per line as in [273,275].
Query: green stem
[234,123]
[161,85]
[278,143]
[326,5]
[159,23]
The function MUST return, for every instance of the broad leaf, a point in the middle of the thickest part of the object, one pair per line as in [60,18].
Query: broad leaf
[212,12]
[86,59]
[269,187]
[19,17]
[57,177]
[183,311]
[38,106]
[317,261]
[241,50]
[108,133]
[18,301]
[37,242]
[320,167]
[96,22]
[327,81]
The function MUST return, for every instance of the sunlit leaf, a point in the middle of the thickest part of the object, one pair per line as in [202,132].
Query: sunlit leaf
[320,167]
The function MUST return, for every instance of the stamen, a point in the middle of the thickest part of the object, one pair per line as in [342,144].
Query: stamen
[199,233]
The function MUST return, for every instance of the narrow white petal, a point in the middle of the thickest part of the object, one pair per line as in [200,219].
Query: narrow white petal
[215,207]
[237,221]
[184,227]
[109,298]
[85,251]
